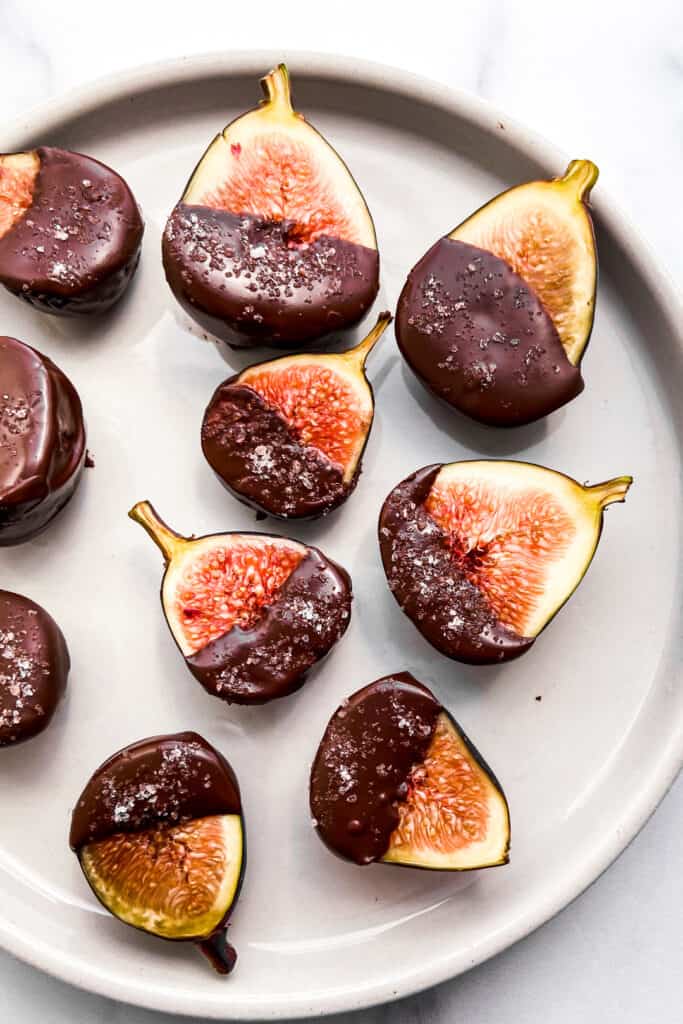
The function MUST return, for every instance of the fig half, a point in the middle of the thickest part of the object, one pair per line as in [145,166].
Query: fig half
[159,835]
[287,436]
[70,231]
[272,241]
[42,441]
[495,318]
[251,613]
[482,555]
[34,668]
[396,779]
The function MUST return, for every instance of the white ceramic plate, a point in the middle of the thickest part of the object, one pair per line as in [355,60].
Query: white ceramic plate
[582,768]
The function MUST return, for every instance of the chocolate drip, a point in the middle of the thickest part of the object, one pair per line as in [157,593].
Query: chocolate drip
[77,246]
[479,337]
[250,282]
[429,585]
[34,665]
[309,615]
[154,783]
[360,773]
[257,455]
[42,441]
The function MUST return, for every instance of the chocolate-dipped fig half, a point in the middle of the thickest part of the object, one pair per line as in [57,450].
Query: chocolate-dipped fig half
[396,779]
[42,441]
[34,665]
[272,241]
[482,555]
[287,436]
[251,613]
[159,834]
[70,231]
[495,318]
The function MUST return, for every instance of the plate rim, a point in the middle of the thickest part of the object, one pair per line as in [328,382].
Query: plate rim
[488,119]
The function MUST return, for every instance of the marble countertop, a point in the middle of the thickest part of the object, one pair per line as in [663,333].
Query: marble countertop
[599,79]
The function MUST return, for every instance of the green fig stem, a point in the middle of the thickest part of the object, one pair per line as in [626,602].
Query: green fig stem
[277,89]
[358,356]
[611,490]
[580,177]
[167,540]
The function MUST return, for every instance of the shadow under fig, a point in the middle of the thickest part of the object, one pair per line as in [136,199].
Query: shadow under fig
[239,359]
[475,437]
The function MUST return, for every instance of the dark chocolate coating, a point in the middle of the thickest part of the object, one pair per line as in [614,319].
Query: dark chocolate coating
[258,457]
[429,585]
[34,665]
[158,783]
[76,248]
[272,659]
[243,279]
[155,783]
[360,773]
[478,336]
[42,441]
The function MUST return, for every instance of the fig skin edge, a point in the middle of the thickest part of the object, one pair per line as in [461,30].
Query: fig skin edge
[612,492]
[220,325]
[578,180]
[172,544]
[276,87]
[215,946]
[608,492]
[209,945]
[474,755]
[356,358]
[326,832]
[563,297]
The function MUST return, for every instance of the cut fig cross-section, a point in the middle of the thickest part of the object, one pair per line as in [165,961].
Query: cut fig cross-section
[272,241]
[287,436]
[482,555]
[70,231]
[395,779]
[495,318]
[251,613]
[159,834]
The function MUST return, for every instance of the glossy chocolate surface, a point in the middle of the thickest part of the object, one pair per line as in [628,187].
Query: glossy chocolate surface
[154,783]
[34,665]
[77,246]
[42,441]
[360,773]
[478,336]
[249,282]
[429,585]
[259,458]
[272,659]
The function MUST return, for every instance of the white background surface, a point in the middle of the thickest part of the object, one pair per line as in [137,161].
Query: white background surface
[605,81]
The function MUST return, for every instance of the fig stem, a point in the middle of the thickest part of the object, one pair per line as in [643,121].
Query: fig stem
[167,540]
[276,87]
[611,490]
[358,355]
[218,951]
[580,177]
